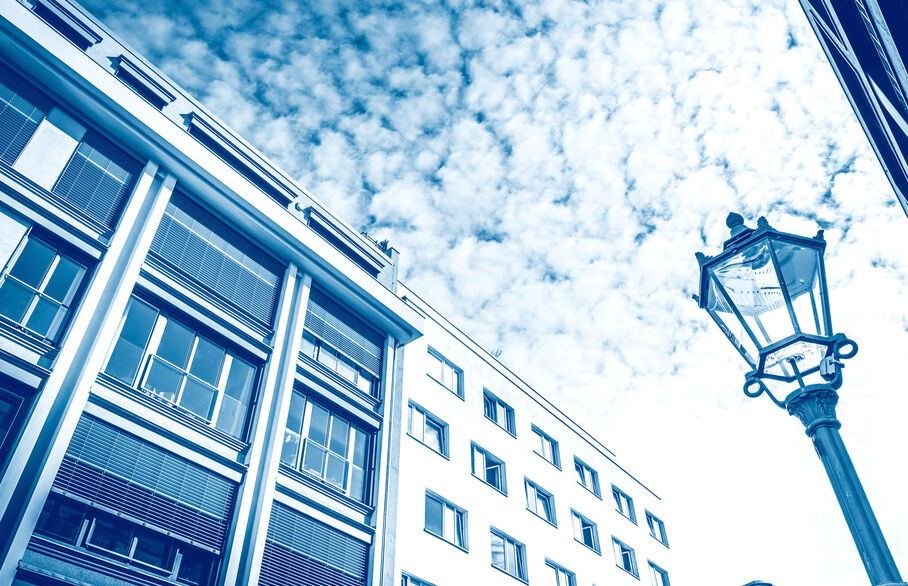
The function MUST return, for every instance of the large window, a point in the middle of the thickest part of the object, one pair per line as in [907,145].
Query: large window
[427,429]
[75,523]
[658,576]
[540,502]
[508,555]
[657,528]
[335,360]
[624,556]
[445,373]
[559,576]
[587,477]
[624,504]
[547,447]
[182,365]
[328,446]
[22,108]
[585,531]
[498,412]
[446,520]
[489,469]
[40,281]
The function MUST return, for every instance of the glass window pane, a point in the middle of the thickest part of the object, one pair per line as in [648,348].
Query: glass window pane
[358,484]
[61,519]
[364,382]
[14,300]
[240,380]
[112,534]
[297,410]
[45,317]
[460,532]
[198,398]
[498,552]
[434,511]
[336,471]
[176,343]
[33,262]
[195,567]
[340,433]
[163,379]
[207,360]
[318,425]
[433,436]
[127,353]
[314,459]
[308,348]
[64,281]
[346,369]
[290,447]
[11,232]
[154,549]
[360,448]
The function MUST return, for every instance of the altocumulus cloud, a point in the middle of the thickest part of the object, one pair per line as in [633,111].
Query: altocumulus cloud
[547,170]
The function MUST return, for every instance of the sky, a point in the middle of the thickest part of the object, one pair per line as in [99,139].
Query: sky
[547,171]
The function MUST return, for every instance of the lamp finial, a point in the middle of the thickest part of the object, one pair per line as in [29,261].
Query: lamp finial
[735,221]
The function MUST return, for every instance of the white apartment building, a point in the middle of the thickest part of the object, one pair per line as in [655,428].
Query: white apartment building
[497,486]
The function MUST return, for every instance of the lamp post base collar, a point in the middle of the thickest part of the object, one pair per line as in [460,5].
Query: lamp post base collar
[815,406]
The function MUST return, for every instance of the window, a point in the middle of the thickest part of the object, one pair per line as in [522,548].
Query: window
[428,429]
[22,108]
[11,414]
[327,446]
[445,373]
[658,576]
[587,477]
[408,580]
[489,469]
[585,531]
[547,447]
[98,178]
[181,365]
[74,523]
[446,520]
[624,504]
[508,555]
[540,502]
[40,283]
[657,528]
[559,576]
[498,412]
[624,557]
[335,360]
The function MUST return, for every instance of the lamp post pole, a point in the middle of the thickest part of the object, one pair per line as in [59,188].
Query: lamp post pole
[768,294]
[815,407]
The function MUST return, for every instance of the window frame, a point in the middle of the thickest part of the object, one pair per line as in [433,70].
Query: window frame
[495,460]
[593,475]
[408,579]
[559,569]
[578,517]
[363,380]
[457,373]
[650,519]
[656,569]
[553,444]
[620,496]
[458,512]
[510,420]
[427,417]
[546,495]
[617,545]
[520,558]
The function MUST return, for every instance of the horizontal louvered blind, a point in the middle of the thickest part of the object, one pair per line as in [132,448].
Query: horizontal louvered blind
[300,551]
[204,248]
[22,108]
[334,324]
[109,467]
[98,178]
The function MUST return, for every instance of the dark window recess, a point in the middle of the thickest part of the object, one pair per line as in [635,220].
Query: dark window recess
[300,551]
[197,244]
[98,179]
[12,406]
[66,23]
[22,108]
[115,470]
[239,166]
[332,323]
[345,250]
[140,87]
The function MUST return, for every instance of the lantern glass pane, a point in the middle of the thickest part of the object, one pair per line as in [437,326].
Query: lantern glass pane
[800,268]
[730,325]
[750,280]
[806,355]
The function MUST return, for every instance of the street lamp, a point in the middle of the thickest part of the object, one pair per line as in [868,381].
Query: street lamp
[767,293]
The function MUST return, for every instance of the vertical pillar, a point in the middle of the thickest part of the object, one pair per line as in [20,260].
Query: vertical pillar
[62,399]
[388,469]
[256,494]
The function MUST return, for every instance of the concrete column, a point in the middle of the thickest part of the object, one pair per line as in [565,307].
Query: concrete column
[50,148]
[256,494]
[387,469]
[60,403]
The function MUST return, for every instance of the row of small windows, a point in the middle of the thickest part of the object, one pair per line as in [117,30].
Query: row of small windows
[448,522]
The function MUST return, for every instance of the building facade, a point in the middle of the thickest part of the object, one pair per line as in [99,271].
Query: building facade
[866,45]
[203,375]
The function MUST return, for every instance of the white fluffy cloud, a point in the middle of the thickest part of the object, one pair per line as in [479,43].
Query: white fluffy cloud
[572,156]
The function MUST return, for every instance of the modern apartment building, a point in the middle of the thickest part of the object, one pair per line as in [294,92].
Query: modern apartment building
[206,377]
[866,45]
[497,486]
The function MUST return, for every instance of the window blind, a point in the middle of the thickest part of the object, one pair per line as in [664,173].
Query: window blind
[300,551]
[205,249]
[337,326]
[22,108]
[109,467]
[98,178]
